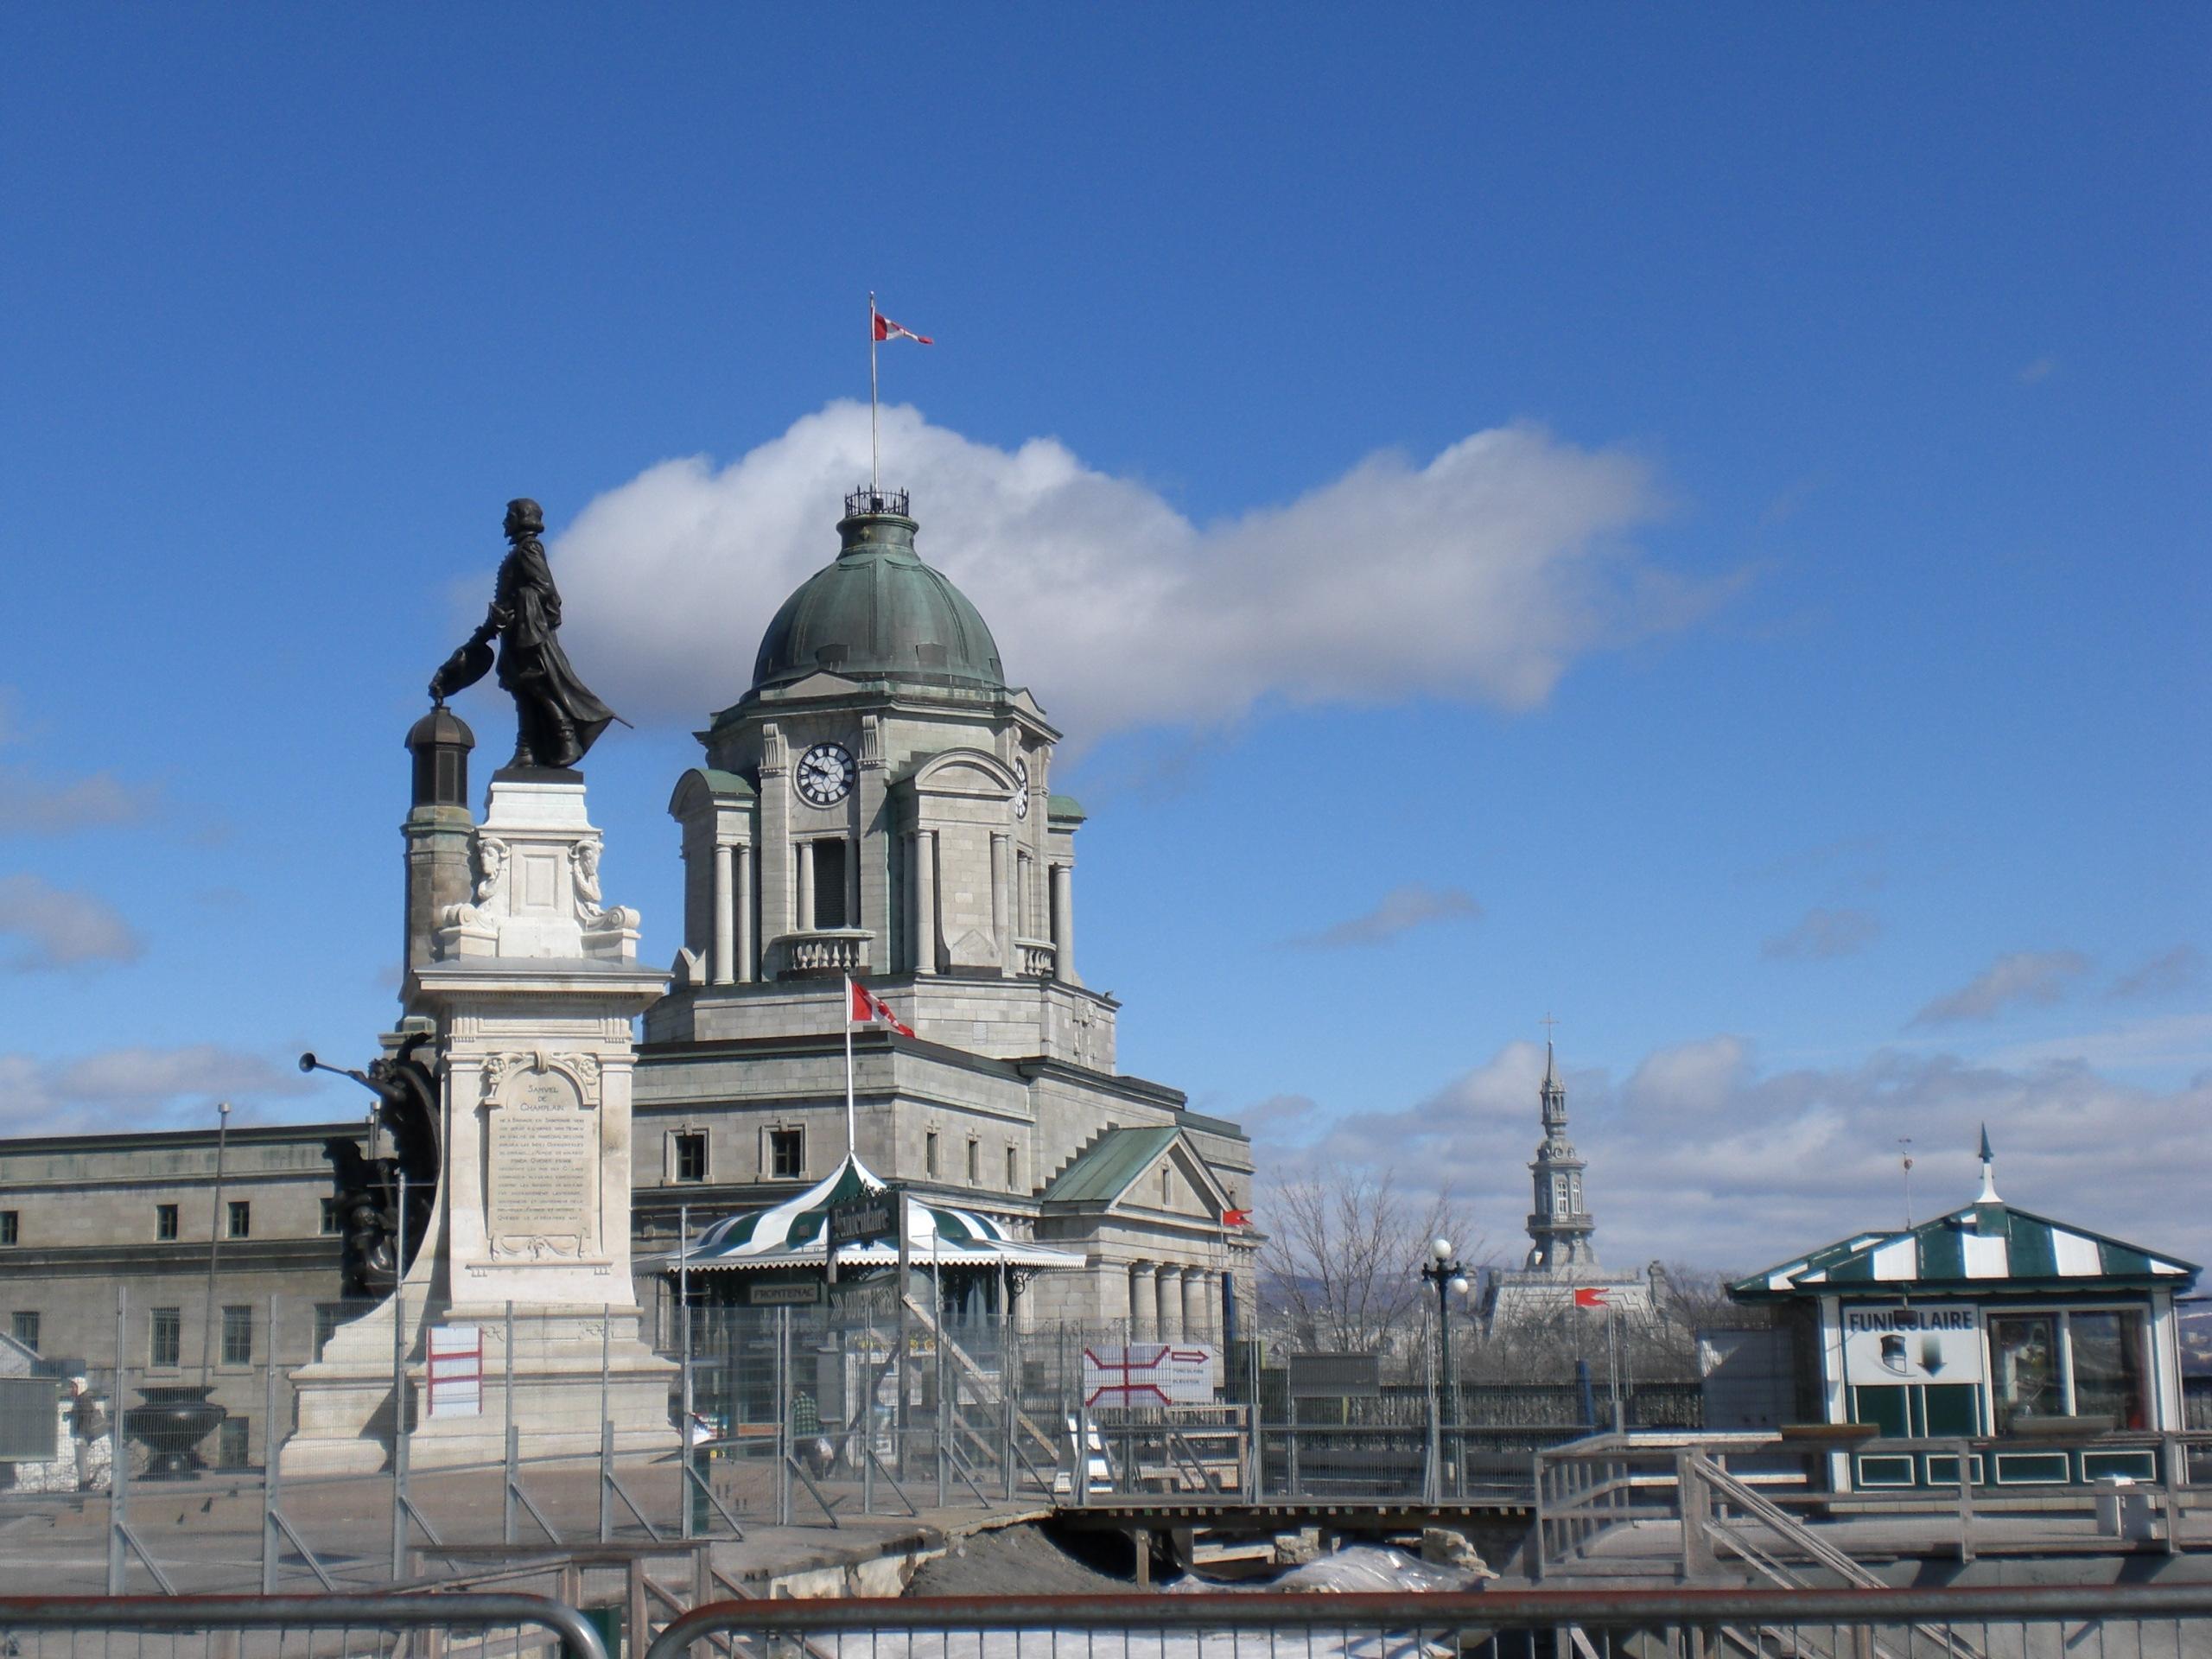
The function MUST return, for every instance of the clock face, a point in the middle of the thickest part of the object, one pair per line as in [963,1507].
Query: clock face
[825,774]
[1021,787]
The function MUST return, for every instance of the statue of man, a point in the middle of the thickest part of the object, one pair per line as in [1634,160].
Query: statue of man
[557,717]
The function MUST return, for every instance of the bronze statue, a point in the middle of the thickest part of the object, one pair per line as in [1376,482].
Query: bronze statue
[557,717]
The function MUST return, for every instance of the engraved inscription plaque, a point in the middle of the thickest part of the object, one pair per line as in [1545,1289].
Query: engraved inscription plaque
[544,1149]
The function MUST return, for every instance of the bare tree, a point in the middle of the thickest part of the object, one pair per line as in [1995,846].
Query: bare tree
[1339,1271]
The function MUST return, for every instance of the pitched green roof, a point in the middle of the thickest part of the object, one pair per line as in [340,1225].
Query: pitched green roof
[1975,1248]
[1104,1171]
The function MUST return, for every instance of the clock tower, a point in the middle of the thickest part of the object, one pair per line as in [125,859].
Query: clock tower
[879,805]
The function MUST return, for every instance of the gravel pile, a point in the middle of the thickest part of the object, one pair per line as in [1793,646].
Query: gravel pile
[1011,1561]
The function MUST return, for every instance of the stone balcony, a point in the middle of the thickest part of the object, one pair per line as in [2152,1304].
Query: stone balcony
[1034,958]
[822,952]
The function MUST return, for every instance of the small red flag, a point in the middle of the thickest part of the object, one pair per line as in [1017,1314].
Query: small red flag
[1236,1217]
[869,1009]
[886,329]
[1592,1296]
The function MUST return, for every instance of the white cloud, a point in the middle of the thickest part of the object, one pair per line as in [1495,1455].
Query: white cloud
[134,1088]
[2029,374]
[1822,935]
[2037,976]
[32,806]
[1481,574]
[1699,1155]
[1415,905]
[59,928]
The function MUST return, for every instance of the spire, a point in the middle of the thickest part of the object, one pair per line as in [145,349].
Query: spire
[1989,1170]
[1559,1226]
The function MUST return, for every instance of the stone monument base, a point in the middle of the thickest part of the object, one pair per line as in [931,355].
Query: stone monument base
[573,1369]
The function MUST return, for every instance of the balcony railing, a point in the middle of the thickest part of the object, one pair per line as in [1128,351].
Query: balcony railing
[824,950]
[860,503]
[1035,958]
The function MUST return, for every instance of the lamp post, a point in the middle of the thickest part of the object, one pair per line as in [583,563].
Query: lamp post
[1447,1275]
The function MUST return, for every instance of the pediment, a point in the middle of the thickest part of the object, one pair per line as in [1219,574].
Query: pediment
[973,773]
[820,683]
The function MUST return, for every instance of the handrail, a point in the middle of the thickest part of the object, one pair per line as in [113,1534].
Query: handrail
[420,1611]
[1608,1610]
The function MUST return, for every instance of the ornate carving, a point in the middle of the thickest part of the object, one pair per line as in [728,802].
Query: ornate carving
[496,1067]
[490,867]
[583,870]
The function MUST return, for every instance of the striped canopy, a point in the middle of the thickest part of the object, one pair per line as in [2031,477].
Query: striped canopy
[1983,1247]
[792,1234]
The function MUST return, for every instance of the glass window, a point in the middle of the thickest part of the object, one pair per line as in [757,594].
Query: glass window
[232,1442]
[829,883]
[165,1336]
[10,1227]
[333,1217]
[24,1328]
[2107,1350]
[328,1316]
[238,1336]
[691,1156]
[241,1218]
[2023,1353]
[165,1221]
[1887,1408]
[786,1153]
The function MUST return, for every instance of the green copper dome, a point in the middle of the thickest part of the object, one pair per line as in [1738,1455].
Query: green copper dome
[878,613]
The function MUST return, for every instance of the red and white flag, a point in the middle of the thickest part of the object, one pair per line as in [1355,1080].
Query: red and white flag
[1591,1296]
[1236,1217]
[886,329]
[868,1008]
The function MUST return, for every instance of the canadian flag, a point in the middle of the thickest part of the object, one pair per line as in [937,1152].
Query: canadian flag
[1236,1217]
[886,329]
[1588,1296]
[869,1009]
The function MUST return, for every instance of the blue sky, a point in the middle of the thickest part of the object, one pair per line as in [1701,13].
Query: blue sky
[1702,505]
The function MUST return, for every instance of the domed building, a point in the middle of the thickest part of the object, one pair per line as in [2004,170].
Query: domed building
[879,804]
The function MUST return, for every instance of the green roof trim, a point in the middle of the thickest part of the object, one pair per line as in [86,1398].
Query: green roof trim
[724,784]
[1106,1169]
[1065,809]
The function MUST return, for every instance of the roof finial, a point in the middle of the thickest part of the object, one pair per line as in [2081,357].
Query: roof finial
[1548,1022]
[1989,1170]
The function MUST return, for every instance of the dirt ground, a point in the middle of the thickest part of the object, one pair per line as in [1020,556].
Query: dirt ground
[1020,1561]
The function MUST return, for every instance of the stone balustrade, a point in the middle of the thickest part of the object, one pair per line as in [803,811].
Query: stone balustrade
[824,950]
[1035,958]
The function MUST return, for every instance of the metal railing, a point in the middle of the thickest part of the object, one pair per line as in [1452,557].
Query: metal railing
[246,1627]
[2037,1622]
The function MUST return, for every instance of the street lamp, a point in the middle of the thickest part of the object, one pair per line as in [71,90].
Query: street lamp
[1449,1277]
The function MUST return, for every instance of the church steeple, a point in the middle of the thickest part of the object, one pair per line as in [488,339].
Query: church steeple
[1558,1223]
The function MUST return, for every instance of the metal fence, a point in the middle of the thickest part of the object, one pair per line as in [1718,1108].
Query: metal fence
[2025,1622]
[309,1627]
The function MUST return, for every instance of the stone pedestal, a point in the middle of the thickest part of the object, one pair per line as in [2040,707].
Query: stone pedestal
[532,990]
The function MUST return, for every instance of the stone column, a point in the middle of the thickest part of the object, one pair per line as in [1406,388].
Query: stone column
[1063,923]
[1000,932]
[1113,1292]
[1143,1310]
[748,949]
[1169,1281]
[725,966]
[1199,1321]
[803,922]
[925,901]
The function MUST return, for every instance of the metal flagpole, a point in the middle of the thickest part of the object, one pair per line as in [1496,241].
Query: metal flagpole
[874,485]
[851,1143]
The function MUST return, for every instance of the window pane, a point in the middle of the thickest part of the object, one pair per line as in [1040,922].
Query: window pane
[241,1218]
[24,1329]
[1884,1407]
[166,1346]
[238,1336]
[2024,1350]
[829,883]
[11,1229]
[2108,1368]
[165,1221]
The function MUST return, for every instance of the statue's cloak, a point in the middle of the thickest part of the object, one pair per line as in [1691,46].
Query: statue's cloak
[531,662]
